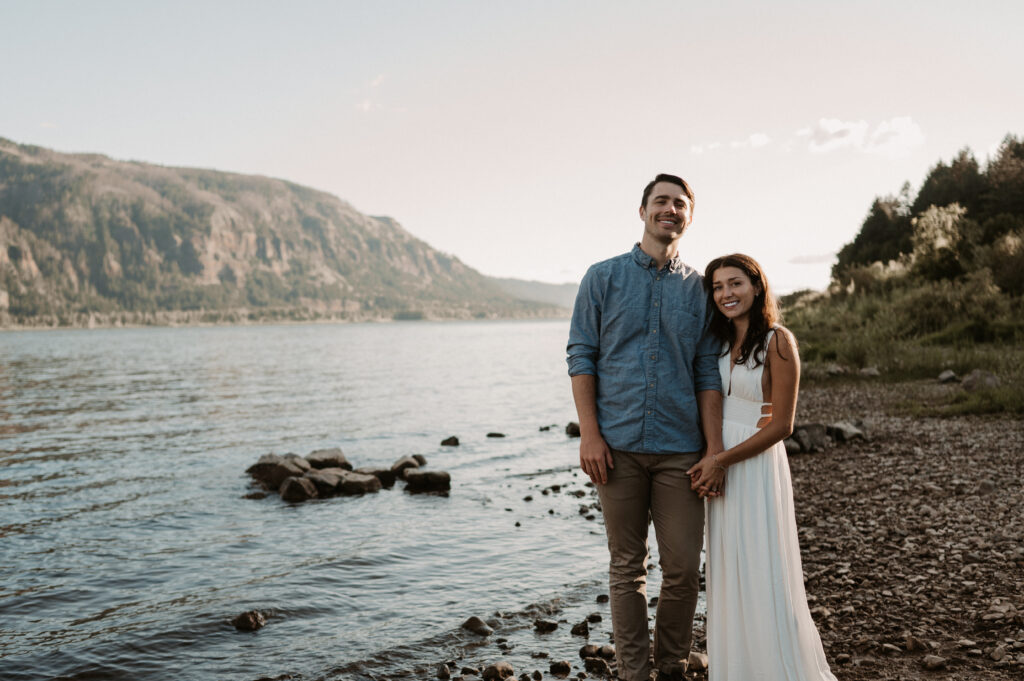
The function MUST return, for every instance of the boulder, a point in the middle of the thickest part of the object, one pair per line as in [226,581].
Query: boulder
[443,672]
[560,668]
[933,662]
[477,626]
[495,434]
[948,376]
[607,652]
[573,429]
[399,467]
[249,621]
[580,629]
[385,475]
[980,379]
[329,458]
[498,671]
[589,650]
[545,626]
[835,370]
[597,666]
[297,460]
[871,372]
[420,459]
[450,441]
[357,483]
[271,470]
[298,489]
[813,437]
[427,481]
[326,480]
[844,431]
[792,446]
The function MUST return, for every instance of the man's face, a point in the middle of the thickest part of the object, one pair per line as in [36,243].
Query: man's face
[668,212]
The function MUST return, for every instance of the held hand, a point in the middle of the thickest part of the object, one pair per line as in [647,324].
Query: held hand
[707,477]
[596,459]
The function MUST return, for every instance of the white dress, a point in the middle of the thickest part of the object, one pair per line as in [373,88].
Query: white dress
[759,626]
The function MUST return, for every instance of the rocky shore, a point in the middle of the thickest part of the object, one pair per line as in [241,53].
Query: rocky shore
[912,540]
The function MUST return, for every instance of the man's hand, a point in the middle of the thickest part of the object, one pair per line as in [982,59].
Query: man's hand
[595,458]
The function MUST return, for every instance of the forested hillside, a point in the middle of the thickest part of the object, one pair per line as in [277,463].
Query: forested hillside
[86,238]
[932,281]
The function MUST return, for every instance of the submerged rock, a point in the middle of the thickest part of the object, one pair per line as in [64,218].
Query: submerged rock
[271,470]
[495,434]
[580,629]
[477,626]
[497,671]
[399,467]
[250,620]
[573,429]
[598,666]
[560,668]
[427,481]
[545,626]
[450,441]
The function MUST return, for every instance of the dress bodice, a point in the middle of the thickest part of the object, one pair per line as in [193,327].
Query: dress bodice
[742,381]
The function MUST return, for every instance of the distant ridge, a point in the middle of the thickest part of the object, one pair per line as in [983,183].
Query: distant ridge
[563,295]
[86,239]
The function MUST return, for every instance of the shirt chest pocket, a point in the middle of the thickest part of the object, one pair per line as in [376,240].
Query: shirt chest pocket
[682,323]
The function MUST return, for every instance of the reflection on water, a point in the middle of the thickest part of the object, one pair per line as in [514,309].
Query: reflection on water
[126,545]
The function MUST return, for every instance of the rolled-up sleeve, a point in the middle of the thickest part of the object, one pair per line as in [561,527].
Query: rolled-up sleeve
[705,362]
[584,331]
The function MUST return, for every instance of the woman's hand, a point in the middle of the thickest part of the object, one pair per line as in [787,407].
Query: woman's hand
[707,477]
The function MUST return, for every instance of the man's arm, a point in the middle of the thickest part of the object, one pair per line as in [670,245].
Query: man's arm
[595,456]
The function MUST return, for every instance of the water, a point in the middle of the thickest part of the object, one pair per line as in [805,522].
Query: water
[127,543]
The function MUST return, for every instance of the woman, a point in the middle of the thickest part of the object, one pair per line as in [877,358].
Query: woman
[759,625]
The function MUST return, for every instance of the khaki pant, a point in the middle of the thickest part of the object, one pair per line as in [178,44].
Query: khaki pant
[653,487]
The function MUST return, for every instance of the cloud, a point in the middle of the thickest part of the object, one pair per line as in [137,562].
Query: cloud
[892,138]
[48,125]
[812,259]
[377,81]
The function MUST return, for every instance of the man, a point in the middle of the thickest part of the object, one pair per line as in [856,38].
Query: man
[648,394]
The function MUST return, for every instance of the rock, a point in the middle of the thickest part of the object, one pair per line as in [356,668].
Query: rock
[560,668]
[607,652]
[545,626]
[986,487]
[580,629]
[427,481]
[536,675]
[255,495]
[271,470]
[890,649]
[598,666]
[295,489]
[443,672]
[696,661]
[573,429]
[813,437]
[497,671]
[297,460]
[325,480]
[399,467]
[843,658]
[933,662]
[844,431]
[477,626]
[602,598]
[495,434]
[914,644]
[385,475]
[249,621]
[450,441]
[948,376]
[999,653]
[594,617]
[329,458]
[835,370]
[589,650]
[980,379]
[358,483]
[420,459]
[792,446]
[871,372]
[545,429]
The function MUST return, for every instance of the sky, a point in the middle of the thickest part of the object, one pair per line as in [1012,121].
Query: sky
[518,135]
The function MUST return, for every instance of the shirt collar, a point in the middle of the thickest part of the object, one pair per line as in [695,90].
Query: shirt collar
[646,261]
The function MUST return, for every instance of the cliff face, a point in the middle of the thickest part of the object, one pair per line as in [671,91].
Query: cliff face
[86,235]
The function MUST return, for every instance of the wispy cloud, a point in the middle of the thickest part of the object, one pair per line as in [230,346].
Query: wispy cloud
[758,139]
[892,138]
[812,259]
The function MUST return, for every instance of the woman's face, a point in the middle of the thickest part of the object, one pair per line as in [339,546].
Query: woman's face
[733,292]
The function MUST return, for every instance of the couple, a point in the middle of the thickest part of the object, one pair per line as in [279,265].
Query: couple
[652,349]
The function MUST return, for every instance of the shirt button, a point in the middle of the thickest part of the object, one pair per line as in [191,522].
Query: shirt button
[655,304]
[654,331]
[657,279]
[651,385]
[654,357]
[648,411]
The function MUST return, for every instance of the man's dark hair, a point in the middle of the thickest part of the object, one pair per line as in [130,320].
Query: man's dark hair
[665,177]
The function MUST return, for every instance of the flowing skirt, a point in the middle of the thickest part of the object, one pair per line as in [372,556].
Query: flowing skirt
[759,625]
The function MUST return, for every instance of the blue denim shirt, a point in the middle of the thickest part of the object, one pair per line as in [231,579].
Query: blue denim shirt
[642,332]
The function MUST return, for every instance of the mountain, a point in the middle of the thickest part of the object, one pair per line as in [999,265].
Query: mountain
[563,295]
[85,239]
